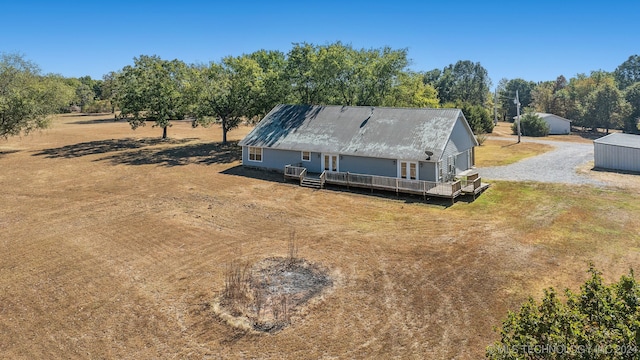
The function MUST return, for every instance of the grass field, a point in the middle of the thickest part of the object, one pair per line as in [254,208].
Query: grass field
[114,245]
[505,152]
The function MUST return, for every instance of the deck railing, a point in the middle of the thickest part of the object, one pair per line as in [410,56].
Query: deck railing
[394,184]
[477,183]
[296,172]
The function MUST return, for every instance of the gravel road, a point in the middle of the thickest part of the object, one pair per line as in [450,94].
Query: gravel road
[557,166]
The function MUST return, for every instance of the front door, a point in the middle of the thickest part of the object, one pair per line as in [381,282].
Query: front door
[408,170]
[330,162]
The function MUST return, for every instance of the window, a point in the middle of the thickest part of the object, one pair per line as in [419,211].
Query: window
[255,154]
[306,156]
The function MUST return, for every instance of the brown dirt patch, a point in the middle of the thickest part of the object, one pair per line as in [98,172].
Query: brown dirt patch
[624,181]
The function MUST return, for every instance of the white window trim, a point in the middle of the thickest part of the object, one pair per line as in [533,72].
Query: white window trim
[249,151]
[399,169]
[302,155]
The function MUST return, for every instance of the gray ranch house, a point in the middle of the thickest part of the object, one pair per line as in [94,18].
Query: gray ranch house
[421,151]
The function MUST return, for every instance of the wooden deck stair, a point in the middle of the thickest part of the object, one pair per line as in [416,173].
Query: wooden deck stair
[311,182]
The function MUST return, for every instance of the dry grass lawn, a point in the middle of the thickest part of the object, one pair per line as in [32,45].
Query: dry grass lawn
[503,129]
[114,245]
[505,152]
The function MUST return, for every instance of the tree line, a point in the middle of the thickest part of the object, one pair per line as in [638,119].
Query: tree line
[246,87]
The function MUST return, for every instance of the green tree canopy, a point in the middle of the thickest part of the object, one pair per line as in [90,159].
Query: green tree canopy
[606,107]
[341,75]
[228,92]
[628,72]
[275,87]
[507,93]
[478,117]
[548,98]
[600,322]
[27,98]
[632,121]
[153,89]
[410,90]
[464,81]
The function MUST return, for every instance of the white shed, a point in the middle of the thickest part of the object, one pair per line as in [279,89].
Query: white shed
[557,124]
[617,151]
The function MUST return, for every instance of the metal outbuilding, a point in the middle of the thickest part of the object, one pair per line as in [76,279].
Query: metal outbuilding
[557,124]
[617,151]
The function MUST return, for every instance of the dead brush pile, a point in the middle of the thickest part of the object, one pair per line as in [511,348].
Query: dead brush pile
[269,293]
[266,295]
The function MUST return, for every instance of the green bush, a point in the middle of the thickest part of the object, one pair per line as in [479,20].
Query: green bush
[531,125]
[600,322]
[478,117]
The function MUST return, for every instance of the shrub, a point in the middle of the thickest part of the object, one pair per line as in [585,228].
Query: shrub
[531,125]
[600,322]
[478,117]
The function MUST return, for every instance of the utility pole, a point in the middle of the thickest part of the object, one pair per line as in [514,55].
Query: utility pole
[517,102]
[495,106]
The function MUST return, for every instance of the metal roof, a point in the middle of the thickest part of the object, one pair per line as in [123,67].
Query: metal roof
[619,139]
[393,133]
[546,115]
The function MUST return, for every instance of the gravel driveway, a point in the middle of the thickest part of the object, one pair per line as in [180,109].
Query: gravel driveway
[558,165]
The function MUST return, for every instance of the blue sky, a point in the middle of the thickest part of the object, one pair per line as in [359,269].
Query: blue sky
[533,40]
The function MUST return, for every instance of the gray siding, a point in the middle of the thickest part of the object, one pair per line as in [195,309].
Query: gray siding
[614,157]
[459,141]
[462,162]
[427,171]
[367,165]
[278,159]
[456,149]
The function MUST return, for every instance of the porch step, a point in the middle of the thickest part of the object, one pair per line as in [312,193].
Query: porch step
[311,183]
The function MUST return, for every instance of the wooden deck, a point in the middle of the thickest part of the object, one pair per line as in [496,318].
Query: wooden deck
[469,184]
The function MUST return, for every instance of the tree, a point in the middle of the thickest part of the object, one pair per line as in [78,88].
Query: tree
[599,322]
[338,74]
[275,88]
[606,107]
[463,81]
[108,89]
[632,121]
[507,93]
[302,73]
[378,68]
[84,95]
[152,89]
[543,97]
[228,92]
[27,98]
[411,91]
[573,99]
[478,117]
[628,72]
[531,125]
[548,97]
